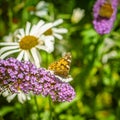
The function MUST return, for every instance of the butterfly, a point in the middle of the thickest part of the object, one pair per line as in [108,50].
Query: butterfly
[106,10]
[61,68]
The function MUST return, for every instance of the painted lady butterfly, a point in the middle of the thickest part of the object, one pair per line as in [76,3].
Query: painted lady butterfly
[61,68]
[106,10]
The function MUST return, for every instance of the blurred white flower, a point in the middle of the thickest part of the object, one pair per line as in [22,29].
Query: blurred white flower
[108,56]
[108,43]
[77,15]
[8,38]
[107,51]
[40,10]
[28,42]
[56,32]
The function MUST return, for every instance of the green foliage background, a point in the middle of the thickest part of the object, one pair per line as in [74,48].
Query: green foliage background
[97,84]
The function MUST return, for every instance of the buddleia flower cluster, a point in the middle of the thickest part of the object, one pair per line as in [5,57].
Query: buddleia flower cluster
[18,77]
[104,15]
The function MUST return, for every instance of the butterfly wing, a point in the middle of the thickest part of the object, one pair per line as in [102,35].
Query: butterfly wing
[62,66]
[106,10]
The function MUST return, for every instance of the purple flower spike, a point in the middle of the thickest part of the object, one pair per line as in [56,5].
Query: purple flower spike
[18,76]
[63,92]
[104,25]
[58,91]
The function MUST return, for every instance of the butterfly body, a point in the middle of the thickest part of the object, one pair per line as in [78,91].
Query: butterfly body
[61,67]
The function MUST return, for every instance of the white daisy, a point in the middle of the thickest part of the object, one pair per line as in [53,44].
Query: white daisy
[40,10]
[20,95]
[28,42]
[56,32]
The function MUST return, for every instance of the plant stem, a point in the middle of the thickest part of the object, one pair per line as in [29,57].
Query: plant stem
[35,99]
[50,105]
[23,112]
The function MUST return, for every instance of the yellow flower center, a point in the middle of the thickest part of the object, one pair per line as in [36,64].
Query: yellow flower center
[28,42]
[48,32]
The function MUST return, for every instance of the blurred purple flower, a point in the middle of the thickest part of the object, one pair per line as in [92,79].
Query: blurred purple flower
[18,76]
[101,24]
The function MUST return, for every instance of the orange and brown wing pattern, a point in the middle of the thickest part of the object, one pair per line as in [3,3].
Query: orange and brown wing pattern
[61,67]
[106,10]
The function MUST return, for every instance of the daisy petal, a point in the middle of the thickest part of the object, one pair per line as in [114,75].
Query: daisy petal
[60,30]
[28,25]
[35,57]
[41,4]
[21,97]
[11,97]
[26,56]
[40,23]
[57,22]
[32,30]
[20,55]
[58,36]
[9,53]
[2,50]
[8,43]
[44,28]
[21,31]
[41,13]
